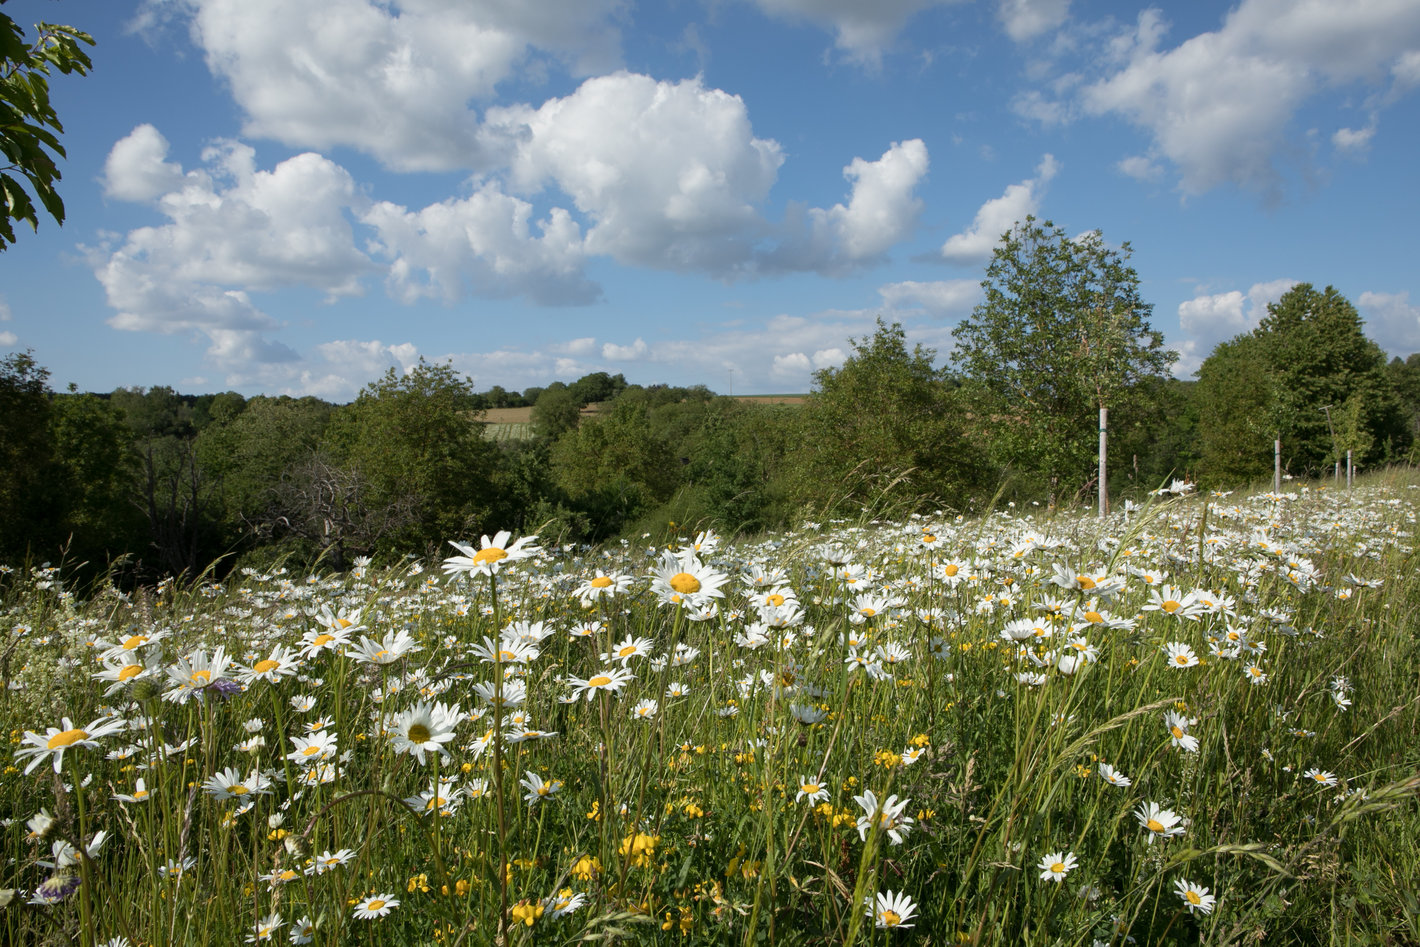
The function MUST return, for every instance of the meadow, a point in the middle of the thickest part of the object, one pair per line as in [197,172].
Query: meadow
[1190,722]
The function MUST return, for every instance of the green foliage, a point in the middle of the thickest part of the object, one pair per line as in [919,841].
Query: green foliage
[1308,375]
[29,125]
[30,498]
[556,411]
[93,451]
[1061,333]
[886,426]
[613,468]
[416,438]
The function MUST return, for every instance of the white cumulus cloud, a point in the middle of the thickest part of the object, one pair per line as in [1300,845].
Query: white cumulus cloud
[392,78]
[863,31]
[999,215]
[1218,105]
[1392,320]
[940,297]
[1210,318]
[1026,19]
[136,169]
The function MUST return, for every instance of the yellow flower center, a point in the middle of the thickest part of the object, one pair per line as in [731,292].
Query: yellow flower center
[626,651]
[1181,659]
[381,653]
[1171,606]
[685,583]
[200,676]
[1154,825]
[1057,867]
[868,612]
[239,790]
[1319,777]
[810,788]
[950,570]
[1177,732]
[890,918]
[310,751]
[418,733]
[507,656]
[135,641]
[601,680]
[267,666]
[322,639]
[776,600]
[1094,618]
[1085,582]
[491,554]
[130,671]
[343,623]
[67,738]
[140,793]
[928,538]
[1192,897]
[374,905]
[601,582]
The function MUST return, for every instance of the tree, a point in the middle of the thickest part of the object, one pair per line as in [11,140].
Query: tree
[30,501]
[556,411]
[1062,333]
[419,435]
[884,426]
[1307,375]
[29,126]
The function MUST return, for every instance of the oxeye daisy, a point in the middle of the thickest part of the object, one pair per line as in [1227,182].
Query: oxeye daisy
[280,663]
[1180,655]
[603,585]
[318,747]
[1195,896]
[375,906]
[425,727]
[609,680]
[1159,823]
[493,555]
[537,788]
[1321,777]
[812,789]
[1113,776]
[892,910]
[683,579]
[1056,865]
[645,710]
[231,784]
[627,649]
[328,860]
[55,740]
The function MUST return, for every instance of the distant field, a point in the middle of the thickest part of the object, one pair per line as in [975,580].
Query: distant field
[515,424]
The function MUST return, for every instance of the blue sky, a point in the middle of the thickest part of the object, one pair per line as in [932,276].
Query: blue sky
[292,196]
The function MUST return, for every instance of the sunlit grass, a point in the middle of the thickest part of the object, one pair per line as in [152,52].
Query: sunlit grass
[1193,720]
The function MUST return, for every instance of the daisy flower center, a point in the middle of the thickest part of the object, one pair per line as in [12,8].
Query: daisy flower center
[890,918]
[869,612]
[266,667]
[67,738]
[323,639]
[1192,897]
[491,554]
[1181,659]
[1177,732]
[1085,582]
[685,583]
[310,751]
[135,641]
[950,570]
[601,680]
[344,622]
[130,672]
[376,904]
[200,677]
[627,650]
[1094,618]
[776,600]
[601,582]
[1171,606]
[382,653]
[1057,867]
[418,733]
[239,790]
[1154,825]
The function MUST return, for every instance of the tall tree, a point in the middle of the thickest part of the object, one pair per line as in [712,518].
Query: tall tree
[29,125]
[1318,355]
[30,502]
[1061,333]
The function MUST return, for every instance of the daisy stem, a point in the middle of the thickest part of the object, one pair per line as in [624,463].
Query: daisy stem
[86,934]
[498,763]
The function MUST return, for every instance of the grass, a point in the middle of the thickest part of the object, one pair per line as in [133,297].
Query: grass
[1245,664]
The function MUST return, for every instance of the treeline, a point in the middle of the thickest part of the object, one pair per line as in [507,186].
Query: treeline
[149,482]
